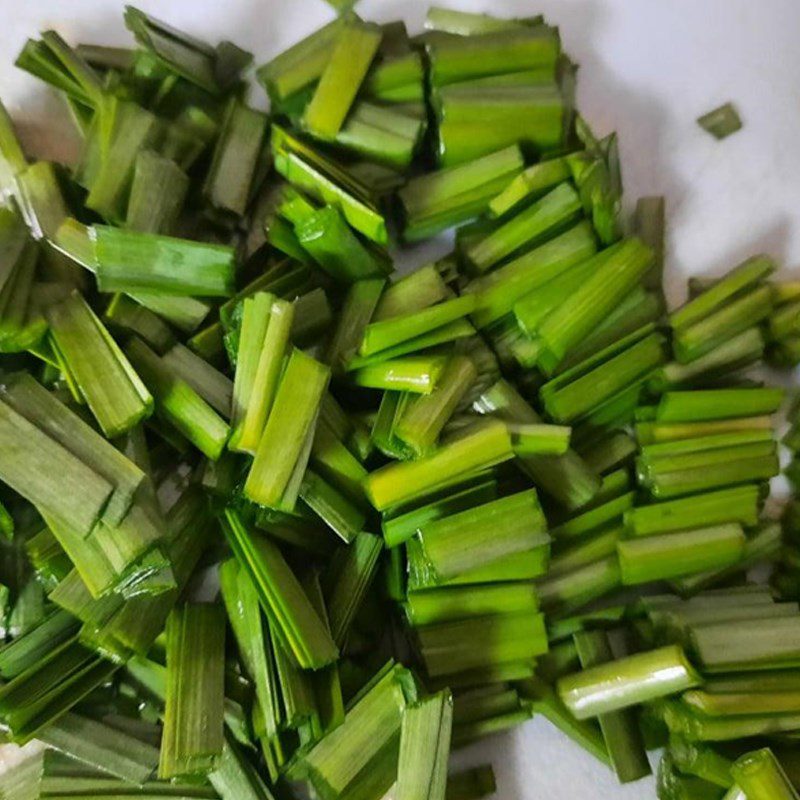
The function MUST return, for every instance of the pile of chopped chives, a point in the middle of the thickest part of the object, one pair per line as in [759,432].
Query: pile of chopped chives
[509,483]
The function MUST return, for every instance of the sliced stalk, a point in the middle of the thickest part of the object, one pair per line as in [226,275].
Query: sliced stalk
[656,432]
[533,440]
[359,307]
[566,593]
[282,450]
[673,555]
[711,404]
[337,511]
[586,551]
[761,776]
[158,192]
[419,289]
[214,387]
[355,47]
[480,447]
[131,317]
[416,374]
[721,122]
[595,518]
[627,682]
[649,227]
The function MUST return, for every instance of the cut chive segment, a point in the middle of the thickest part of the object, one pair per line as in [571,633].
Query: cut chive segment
[302,633]
[127,315]
[104,376]
[621,728]
[363,297]
[761,776]
[711,404]
[284,448]
[482,446]
[178,404]
[478,536]
[721,122]
[158,192]
[528,228]
[672,555]
[193,732]
[530,183]
[416,374]
[355,47]
[649,227]
[628,681]
[214,387]
[425,748]
[536,440]
[451,603]
[337,511]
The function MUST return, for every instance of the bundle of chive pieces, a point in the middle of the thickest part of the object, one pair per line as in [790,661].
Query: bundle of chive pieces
[509,483]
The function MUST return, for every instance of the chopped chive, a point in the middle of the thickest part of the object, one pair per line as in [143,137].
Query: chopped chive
[712,404]
[113,390]
[533,440]
[193,728]
[459,543]
[649,227]
[625,682]
[566,478]
[480,447]
[264,340]
[761,776]
[530,183]
[417,374]
[363,297]
[178,403]
[130,261]
[285,443]
[619,268]
[447,604]
[721,122]
[214,387]
[456,59]
[620,728]
[40,199]
[301,630]
[499,290]
[447,197]
[158,191]
[671,783]
[567,592]
[588,521]
[419,289]
[656,432]
[449,647]
[704,762]
[126,314]
[350,578]
[672,555]
[746,276]
[586,551]
[424,748]
[353,52]
[337,511]
[229,182]
[739,504]
[234,777]
[530,227]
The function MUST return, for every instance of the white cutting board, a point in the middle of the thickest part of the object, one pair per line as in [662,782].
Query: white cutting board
[649,68]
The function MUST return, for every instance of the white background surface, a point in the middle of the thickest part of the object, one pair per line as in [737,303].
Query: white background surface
[648,69]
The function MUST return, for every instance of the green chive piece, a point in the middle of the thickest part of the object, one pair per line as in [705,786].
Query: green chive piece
[528,228]
[671,783]
[721,122]
[129,316]
[450,196]
[566,593]
[672,555]
[587,550]
[107,381]
[337,511]
[481,447]
[424,748]
[532,182]
[417,374]
[178,403]
[12,157]
[302,64]
[284,448]
[350,59]
[335,461]
[266,329]
[460,543]
[397,80]
[621,267]
[736,505]
[704,762]
[577,391]
[350,578]
[747,645]
[746,276]
[361,301]
[32,645]
[714,404]
[596,517]
[214,387]
[244,614]
[372,724]
[158,192]
[299,627]
[401,527]
[234,777]
[533,440]
[129,261]
[456,59]
[447,604]
[761,776]
[40,198]
[566,478]
[422,288]
[229,182]
[731,704]
[649,227]
[628,681]
[499,290]
[621,728]
[193,733]
[659,432]
[449,647]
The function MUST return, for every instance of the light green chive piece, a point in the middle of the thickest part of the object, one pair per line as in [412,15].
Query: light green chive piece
[721,122]
[761,776]
[711,404]
[158,192]
[360,303]
[417,374]
[128,315]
